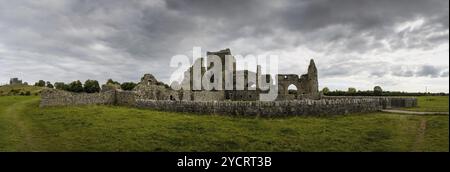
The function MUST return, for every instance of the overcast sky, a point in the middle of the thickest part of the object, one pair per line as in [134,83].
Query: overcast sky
[397,44]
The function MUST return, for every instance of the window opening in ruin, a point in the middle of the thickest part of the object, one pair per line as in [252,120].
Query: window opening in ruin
[211,79]
[292,89]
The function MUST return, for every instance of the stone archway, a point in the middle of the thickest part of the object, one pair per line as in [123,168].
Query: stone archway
[292,89]
[286,81]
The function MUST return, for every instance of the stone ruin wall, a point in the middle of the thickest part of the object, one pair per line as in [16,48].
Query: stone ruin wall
[266,109]
[150,93]
[54,97]
[326,106]
[125,98]
[386,102]
[198,95]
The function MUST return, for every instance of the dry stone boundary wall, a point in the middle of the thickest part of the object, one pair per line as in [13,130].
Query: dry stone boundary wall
[54,97]
[326,106]
[266,109]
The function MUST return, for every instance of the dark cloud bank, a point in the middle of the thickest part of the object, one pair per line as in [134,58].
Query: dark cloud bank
[363,39]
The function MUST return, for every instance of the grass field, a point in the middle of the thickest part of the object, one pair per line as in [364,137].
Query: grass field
[26,127]
[11,90]
[431,104]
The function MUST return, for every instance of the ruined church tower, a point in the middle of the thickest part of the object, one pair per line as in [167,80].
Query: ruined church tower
[313,83]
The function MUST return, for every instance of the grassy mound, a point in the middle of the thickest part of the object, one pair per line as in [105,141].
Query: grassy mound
[26,127]
[13,90]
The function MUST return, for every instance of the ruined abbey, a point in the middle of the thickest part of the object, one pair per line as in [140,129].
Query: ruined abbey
[307,84]
[238,97]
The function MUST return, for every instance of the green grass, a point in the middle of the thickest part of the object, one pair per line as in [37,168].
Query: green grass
[431,104]
[26,127]
[17,89]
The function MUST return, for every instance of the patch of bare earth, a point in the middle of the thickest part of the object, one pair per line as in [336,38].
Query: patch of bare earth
[420,134]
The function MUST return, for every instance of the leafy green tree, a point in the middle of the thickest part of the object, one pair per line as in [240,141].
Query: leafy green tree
[377,90]
[110,81]
[49,84]
[325,90]
[76,86]
[128,85]
[351,90]
[40,83]
[60,86]
[91,86]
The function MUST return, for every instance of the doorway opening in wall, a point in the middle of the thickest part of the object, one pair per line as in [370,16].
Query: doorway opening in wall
[292,89]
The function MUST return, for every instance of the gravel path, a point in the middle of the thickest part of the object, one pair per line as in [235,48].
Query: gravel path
[413,112]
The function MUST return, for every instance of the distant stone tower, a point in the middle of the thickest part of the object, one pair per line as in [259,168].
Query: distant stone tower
[313,83]
[222,54]
[15,81]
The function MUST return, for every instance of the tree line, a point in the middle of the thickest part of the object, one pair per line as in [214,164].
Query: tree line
[89,86]
[93,86]
[377,91]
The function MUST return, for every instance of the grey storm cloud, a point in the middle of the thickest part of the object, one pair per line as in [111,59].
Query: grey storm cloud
[419,71]
[428,70]
[444,73]
[351,68]
[81,39]
[403,72]
[381,69]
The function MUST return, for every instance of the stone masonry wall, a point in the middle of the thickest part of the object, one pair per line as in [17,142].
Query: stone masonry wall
[402,102]
[207,95]
[327,105]
[267,109]
[125,98]
[386,102]
[54,97]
